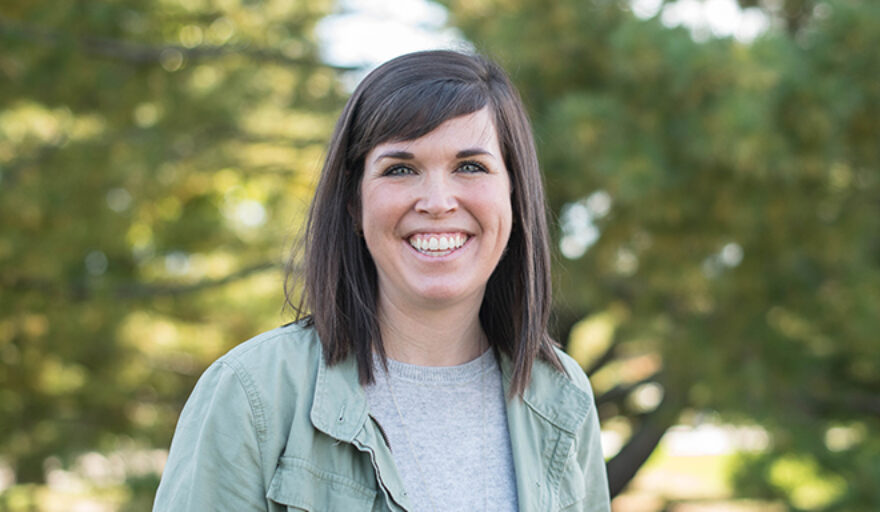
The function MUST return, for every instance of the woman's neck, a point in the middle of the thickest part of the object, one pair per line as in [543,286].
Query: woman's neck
[444,337]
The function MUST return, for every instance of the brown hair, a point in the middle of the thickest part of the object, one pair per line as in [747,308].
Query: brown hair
[404,99]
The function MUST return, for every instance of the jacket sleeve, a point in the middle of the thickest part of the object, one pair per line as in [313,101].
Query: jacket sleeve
[589,447]
[214,461]
[593,463]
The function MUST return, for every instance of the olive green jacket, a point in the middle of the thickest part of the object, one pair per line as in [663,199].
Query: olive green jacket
[271,427]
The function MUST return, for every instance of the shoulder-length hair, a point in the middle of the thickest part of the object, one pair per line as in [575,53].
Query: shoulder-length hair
[404,99]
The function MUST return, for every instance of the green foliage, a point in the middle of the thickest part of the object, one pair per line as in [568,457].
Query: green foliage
[155,156]
[742,238]
[155,159]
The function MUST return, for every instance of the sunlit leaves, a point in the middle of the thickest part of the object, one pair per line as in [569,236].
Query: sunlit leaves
[155,159]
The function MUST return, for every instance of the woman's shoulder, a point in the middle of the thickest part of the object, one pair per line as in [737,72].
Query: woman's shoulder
[294,336]
[575,372]
[570,385]
[286,350]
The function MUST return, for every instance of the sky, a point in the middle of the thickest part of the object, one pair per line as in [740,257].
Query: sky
[366,33]
[369,32]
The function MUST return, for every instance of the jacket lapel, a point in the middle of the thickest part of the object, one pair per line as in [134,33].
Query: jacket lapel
[340,410]
[543,425]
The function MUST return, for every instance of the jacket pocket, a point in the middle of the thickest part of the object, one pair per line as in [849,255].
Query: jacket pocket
[300,485]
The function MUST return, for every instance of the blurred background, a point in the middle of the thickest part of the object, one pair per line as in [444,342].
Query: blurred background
[713,171]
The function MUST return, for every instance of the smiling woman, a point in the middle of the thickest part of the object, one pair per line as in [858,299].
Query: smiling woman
[419,374]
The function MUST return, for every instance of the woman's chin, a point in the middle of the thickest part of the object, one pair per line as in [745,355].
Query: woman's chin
[442,296]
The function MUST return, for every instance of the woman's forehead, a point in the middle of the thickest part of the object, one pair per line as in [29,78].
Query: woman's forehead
[466,135]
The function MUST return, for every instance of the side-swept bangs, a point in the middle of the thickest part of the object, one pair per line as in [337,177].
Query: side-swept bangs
[411,102]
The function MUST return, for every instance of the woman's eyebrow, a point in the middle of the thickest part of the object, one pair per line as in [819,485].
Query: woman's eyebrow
[399,155]
[465,153]
[406,155]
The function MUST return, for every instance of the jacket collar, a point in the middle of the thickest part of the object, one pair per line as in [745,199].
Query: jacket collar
[552,395]
[339,406]
[339,409]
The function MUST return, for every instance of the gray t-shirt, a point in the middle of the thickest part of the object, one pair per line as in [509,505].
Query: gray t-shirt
[454,420]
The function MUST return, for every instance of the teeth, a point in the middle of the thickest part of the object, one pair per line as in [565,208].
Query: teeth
[437,245]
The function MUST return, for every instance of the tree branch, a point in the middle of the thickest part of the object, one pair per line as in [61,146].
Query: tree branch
[619,392]
[606,357]
[144,290]
[138,53]
[624,466]
[856,402]
[81,291]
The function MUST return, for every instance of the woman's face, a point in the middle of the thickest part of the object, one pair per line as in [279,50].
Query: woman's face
[436,213]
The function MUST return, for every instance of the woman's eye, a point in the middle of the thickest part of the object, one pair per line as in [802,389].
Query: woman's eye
[398,170]
[471,167]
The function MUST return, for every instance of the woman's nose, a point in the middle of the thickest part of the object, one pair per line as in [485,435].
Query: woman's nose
[436,196]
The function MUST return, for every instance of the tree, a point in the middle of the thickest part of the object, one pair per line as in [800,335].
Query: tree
[718,225]
[154,160]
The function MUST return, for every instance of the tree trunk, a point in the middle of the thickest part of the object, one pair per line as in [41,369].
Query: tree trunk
[624,466]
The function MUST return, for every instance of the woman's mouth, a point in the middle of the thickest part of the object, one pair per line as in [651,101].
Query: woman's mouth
[437,244]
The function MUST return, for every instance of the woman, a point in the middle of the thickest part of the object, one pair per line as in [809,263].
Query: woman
[424,377]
